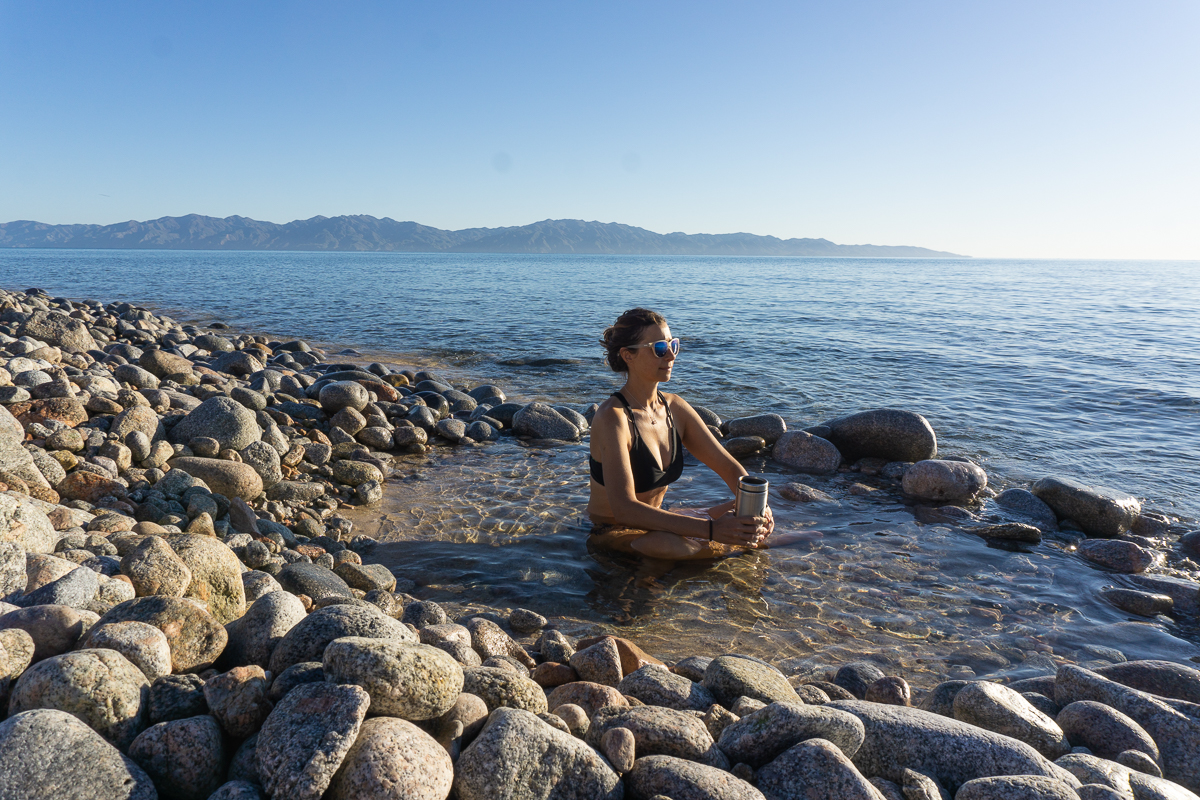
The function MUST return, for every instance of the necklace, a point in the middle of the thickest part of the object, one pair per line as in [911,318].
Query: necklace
[649,412]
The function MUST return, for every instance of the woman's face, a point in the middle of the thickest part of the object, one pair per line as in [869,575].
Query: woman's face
[643,361]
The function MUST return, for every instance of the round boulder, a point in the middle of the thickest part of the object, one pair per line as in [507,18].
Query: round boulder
[343,394]
[886,433]
[393,760]
[186,757]
[804,452]
[216,574]
[309,638]
[406,680]
[230,478]
[1099,512]
[195,638]
[945,481]
[222,418]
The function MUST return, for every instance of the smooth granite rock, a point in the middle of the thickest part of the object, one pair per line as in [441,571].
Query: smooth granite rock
[659,731]
[591,697]
[768,427]
[1117,554]
[1104,730]
[857,676]
[238,699]
[51,754]
[185,758]
[952,752]
[254,635]
[155,569]
[144,645]
[99,687]
[216,574]
[502,688]
[393,760]
[731,677]
[221,418]
[230,478]
[815,769]
[998,708]
[762,735]
[946,481]
[306,737]
[176,697]
[1175,731]
[654,776]
[519,757]
[1028,505]
[489,639]
[1099,512]
[307,640]
[404,679]
[540,421]
[1016,787]
[883,433]
[600,663]
[804,452]
[195,638]
[660,687]
[313,580]
[76,589]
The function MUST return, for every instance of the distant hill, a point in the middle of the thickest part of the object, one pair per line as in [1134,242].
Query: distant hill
[365,233]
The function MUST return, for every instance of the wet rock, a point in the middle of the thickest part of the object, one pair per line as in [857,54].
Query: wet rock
[1117,554]
[51,754]
[176,697]
[238,700]
[857,676]
[814,770]
[1010,532]
[1176,733]
[222,418]
[185,758]
[306,737]
[523,620]
[891,690]
[501,688]
[404,679]
[768,427]
[230,478]
[195,638]
[99,687]
[600,663]
[144,645]
[731,677]
[806,453]
[254,635]
[518,756]
[998,708]
[216,574]
[1099,512]
[950,481]
[540,421]
[742,446]
[366,576]
[1104,730]
[952,752]
[393,760]
[1144,604]
[309,638]
[1185,594]
[799,493]
[1028,505]
[761,736]
[658,687]
[659,731]
[883,433]
[678,779]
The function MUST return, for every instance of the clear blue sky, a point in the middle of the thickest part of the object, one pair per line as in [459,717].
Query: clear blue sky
[1043,129]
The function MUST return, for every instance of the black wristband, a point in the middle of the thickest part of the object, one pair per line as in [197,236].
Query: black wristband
[710,529]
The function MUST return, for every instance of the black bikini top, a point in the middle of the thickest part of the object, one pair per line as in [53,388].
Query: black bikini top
[646,473]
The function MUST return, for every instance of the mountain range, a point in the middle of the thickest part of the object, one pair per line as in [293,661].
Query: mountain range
[366,233]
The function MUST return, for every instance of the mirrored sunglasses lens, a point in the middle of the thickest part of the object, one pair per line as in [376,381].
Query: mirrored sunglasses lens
[662,348]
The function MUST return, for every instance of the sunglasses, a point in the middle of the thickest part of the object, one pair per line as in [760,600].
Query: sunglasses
[661,347]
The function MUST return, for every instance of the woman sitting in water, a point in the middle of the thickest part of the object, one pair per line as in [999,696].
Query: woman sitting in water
[636,453]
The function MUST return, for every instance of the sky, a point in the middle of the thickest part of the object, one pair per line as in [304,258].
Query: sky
[1067,129]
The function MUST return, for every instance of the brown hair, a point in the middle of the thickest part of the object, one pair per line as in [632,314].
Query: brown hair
[625,332]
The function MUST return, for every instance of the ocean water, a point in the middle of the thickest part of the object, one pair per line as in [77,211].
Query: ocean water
[1080,369]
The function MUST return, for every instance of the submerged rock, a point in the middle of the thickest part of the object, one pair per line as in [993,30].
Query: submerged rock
[1099,512]
[950,481]
[883,433]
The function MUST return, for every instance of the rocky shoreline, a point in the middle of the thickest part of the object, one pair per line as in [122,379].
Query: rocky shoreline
[185,613]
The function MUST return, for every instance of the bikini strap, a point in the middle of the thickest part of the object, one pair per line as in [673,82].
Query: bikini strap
[628,413]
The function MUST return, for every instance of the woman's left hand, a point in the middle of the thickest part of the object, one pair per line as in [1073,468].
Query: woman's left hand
[766,530]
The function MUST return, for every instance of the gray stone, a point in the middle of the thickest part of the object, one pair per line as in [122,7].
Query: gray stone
[99,687]
[883,433]
[293,676]
[75,589]
[489,639]
[807,453]
[1104,730]
[761,736]
[51,754]
[743,446]
[254,635]
[54,629]
[1148,787]
[138,419]
[195,638]
[523,620]
[1163,678]
[1090,769]
[949,481]
[306,737]
[230,478]
[502,688]
[618,745]
[1175,731]
[185,758]
[814,770]
[998,708]
[393,760]
[857,676]
[176,697]
[540,421]
[366,577]
[659,731]
[519,757]
[656,686]
[768,427]
[451,429]
[654,776]
[952,752]
[1117,554]
[335,396]
[307,640]
[424,613]
[404,679]
[1144,604]
[12,568]
[1028,505]
[24,524]
[731,677]
[237,790]
[57,329]
[1016,787]
[600,663]
[264,459]
[1099,512]
[221,418]
[155,569]
[216,574]
[296,491]
[1185,594]
[144,645]
[15,459]
[313,580]
[238,700]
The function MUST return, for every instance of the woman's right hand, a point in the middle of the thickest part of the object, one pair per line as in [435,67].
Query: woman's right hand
[738,531]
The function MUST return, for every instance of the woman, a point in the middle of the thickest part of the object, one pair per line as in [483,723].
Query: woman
[636,452]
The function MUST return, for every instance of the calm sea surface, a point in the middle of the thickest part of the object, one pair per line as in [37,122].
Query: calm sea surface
[1081,369]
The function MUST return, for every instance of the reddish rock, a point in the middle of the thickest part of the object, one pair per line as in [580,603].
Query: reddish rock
[550,674]
[67,410]
[238,699]
[591,697]
[633,657]
[88,487]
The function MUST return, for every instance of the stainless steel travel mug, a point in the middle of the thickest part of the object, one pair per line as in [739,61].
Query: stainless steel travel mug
[751,497]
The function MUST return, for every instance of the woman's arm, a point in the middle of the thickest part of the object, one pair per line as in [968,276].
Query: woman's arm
[610,432]
[700,442]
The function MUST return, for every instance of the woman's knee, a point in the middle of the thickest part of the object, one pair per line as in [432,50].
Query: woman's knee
[662,544]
